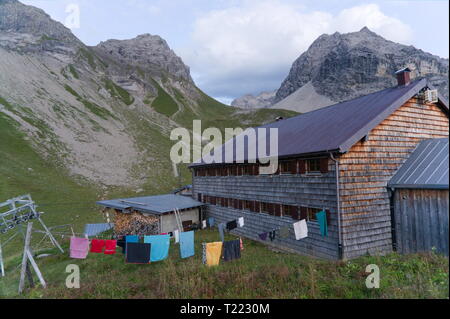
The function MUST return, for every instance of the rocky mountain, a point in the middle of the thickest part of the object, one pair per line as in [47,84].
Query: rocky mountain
[100,114]
[249,101]
[339,67]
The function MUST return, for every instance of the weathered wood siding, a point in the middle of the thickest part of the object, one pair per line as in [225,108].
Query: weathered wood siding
[421,220]
[369,165]
[302,190]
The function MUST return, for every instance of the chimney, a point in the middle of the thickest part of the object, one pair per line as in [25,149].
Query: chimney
[403,78]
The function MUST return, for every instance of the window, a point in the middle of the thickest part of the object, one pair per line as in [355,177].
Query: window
[313,165]
[199,197]
[286,210]
[230,202]
[248,205]
[288,167]
[264,208]
[311,213]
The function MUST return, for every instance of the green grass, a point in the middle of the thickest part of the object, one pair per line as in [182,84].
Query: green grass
[89,56]
[119,92]
[74,71]
[260,273]
[164,103]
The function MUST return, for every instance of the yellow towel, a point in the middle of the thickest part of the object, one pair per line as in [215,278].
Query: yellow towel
[213,253]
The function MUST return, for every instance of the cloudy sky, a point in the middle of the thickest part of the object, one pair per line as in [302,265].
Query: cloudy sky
[235,47]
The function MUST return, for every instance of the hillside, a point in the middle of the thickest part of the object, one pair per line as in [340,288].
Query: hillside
[81,123]
[341,67]
[259,273]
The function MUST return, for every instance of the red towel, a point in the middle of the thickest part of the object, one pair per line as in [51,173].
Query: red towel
[97,245]
[110,247]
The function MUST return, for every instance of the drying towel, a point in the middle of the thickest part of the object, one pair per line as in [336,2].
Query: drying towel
[187,244]
[79,247]
[272,235]
[213,252]
[221,228]
[263,236]
[130,239]
[241,221]
[284,232]
[160,246]
[322,220]
[203,224]
[231,250]
[138,253]
[301,229]
[110,247]
[176,235]
[211,221]
[204,253]
[231,225]
[97,245]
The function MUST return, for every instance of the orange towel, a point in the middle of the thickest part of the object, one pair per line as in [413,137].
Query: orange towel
[213,253]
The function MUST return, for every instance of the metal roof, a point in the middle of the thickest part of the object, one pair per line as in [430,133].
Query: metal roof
[156,205]
[334,128]
[95,229]
[427,167]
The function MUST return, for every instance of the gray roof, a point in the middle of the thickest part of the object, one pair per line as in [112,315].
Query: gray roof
[95,229]
[427,167]
[156,205]
[338,127]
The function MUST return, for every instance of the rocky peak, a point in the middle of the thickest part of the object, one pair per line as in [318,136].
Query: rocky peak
[17,18]
[345,66]
[145,51]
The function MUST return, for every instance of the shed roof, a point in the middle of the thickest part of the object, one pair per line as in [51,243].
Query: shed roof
[156,205]
[335,128]
[427,167]
[95,229]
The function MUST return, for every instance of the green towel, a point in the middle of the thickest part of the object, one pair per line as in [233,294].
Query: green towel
[322,220]
[284,232]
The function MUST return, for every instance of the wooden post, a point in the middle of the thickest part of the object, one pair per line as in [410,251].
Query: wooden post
[29,275]
[2,266]
[25,257]
[28,256]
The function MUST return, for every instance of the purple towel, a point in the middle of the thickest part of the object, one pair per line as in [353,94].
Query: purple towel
[263,236]
[79,247]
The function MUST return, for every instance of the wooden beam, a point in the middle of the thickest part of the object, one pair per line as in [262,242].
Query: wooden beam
[36,269]
[25,257]
[2,266]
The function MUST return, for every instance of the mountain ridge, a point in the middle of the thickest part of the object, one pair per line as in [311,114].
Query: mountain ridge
[340,67]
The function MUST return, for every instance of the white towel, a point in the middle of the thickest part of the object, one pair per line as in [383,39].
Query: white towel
[176,234]
[301,229]
[203,224]
[241,221]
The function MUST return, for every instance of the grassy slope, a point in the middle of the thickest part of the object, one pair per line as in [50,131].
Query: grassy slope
[260,273]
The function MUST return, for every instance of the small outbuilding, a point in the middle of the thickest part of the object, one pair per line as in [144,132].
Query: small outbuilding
[420,199]
[153,214]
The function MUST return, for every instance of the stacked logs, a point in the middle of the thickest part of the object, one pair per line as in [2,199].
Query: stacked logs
[135,223]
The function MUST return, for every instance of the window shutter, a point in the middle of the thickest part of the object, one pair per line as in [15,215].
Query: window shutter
[303,213]
[324,165]
[278,210]
[302,166]
[327,212]
[293,167]
[294,212]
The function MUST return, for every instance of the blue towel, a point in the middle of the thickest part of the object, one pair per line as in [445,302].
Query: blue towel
[130,239]
[221,227]
[211,221]
[322,220]
[160,246]
[187,244]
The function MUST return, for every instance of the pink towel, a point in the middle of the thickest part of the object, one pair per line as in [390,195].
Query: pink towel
[79,247]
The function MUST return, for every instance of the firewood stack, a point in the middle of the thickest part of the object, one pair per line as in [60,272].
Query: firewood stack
[135,223]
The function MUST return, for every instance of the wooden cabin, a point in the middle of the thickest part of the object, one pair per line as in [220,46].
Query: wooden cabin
[420,199]
[338,159]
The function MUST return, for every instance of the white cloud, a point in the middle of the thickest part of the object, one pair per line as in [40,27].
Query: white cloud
[250,48]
